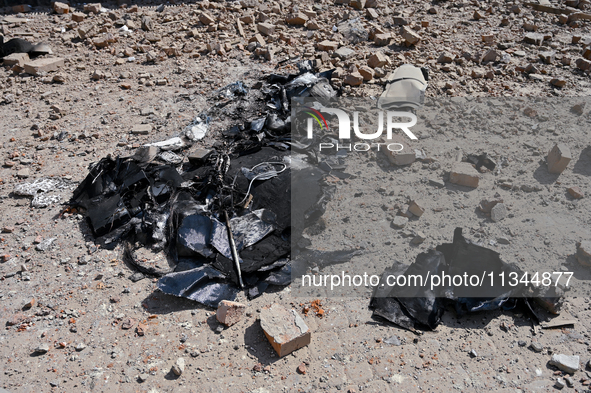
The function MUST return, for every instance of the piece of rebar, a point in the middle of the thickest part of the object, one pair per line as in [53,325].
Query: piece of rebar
[233,248]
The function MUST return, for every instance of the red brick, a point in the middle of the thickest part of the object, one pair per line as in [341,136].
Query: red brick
[285,329]
[229,312]
[464,174]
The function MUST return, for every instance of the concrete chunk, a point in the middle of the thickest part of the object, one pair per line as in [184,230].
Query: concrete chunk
[464,174]
[18,59]
[285,329]
[569,364]
[44,65]
[416,208]
[230,312]
[141,129]
[405,156]
[558,158]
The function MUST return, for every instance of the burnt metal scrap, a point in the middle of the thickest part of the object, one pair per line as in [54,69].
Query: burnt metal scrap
[412,306]
[211,222]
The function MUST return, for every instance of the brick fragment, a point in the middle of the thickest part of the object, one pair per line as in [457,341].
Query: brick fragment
[377,59]
[382,39]
[353,79]
[410,37]
[44,65]
[558,158]
[266,28]
[366,72]
[206,18]
[404,156]
[93,7]
[297,18]
[61,8]
[21,8]
[327,45]
[575,192]
[141,129]
[18,59]
[464,174]
[584,253]
[78,16]
[416,208]
[230,312]
[285,329]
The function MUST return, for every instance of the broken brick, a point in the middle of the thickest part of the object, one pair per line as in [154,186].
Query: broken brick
[44,65]
[93,7]
[298,19]
[464,174]
[558,158]
[266,28]
[61,8]
[382,39]
[206,18]
[416,208]
[575,192]
[584,253]
[230,312]
[18,59]
[378,59]
[328,45]
[410,37]
[285,329]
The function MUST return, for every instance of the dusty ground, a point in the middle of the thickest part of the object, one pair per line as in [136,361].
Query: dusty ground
[82,295]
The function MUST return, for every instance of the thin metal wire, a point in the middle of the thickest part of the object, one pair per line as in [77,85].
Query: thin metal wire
[261,175]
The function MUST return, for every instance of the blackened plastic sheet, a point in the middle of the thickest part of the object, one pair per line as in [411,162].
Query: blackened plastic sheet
[176,207]
[413,306]
[205,285]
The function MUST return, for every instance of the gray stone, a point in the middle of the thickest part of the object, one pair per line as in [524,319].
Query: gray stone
[437,183]
[179,367]
[502,240]
[559,383]
[45,244]
[141,129]
[399,222]
[42,348]
[143,377]
[498,212]
[566,363]
[536,347]
[394,340]
[419,238]
[344,53]
[80,347]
